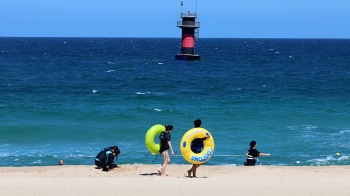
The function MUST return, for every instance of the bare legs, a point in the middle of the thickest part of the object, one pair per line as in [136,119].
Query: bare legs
[166,161]
[193,170]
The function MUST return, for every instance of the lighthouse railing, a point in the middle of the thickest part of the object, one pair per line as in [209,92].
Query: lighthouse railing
[189,14]
[188,24]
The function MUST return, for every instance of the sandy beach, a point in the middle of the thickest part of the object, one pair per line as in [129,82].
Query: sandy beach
[144,180]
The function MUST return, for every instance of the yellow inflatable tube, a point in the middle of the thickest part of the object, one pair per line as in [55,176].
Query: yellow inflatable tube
[185,146]
[149,138]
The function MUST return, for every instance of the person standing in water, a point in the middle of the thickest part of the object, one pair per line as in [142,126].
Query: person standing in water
[165,145]
[252,155]
[197,146]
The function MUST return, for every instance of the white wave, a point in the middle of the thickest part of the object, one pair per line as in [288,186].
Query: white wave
[227,164]
[36,162]
[340,133]
[322,161]
[4,155]
[344,131]
[141,93]
[110,70]
[302,127]
[270,49]
[159,93]
[160,63]
[156,109]
[94,91]
[277,52]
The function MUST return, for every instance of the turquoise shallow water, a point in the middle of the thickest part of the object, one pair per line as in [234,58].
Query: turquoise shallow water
[67,98]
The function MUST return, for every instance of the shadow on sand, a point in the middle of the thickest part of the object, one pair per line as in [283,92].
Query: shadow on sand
[194,177]
[150,174]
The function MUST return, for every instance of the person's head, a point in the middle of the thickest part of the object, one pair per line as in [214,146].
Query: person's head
[169,128]
[61,162]
[116,152]
[252,144]
[114,147]
[197,123]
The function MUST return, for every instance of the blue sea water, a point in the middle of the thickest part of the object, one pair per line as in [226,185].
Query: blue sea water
[67,98]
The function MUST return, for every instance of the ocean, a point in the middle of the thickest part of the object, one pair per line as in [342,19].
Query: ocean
[67,98]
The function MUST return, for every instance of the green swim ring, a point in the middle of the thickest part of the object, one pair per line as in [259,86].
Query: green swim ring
[149,138]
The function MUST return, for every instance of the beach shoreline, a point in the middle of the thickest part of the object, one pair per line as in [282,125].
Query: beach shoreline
[144,180]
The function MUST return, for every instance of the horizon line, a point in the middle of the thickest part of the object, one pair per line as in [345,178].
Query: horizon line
[167,37]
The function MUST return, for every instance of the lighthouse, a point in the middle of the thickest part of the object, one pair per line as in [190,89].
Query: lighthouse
[189,26]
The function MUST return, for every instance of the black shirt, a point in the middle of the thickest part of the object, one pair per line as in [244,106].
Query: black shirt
[253,152]
[197,145]
[164,137]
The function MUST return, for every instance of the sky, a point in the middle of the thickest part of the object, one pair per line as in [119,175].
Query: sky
[158,18]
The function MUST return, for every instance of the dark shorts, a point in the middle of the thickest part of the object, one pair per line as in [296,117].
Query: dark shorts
[163,149]
[250,162]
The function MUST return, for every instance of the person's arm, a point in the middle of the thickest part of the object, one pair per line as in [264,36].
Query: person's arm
[116,165]
[204,138]
[171,148]
[110,161]
[201,139]
[263,154]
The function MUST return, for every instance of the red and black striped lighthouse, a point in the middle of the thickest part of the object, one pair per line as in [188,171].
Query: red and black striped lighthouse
[189,26]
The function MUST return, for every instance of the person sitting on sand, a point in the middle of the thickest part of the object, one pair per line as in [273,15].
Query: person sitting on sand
[252,155]
[197,146]
[106,158]
[165,144]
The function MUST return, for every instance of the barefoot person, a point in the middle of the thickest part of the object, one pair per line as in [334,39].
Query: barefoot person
[165,144]
[197,146]
[252,155]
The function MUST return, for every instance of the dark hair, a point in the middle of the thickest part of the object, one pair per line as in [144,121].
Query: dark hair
[117,151]
[168,127]
[197,123]
[114,147]
[252,144]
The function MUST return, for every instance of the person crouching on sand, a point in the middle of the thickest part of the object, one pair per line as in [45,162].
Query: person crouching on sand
[165,144]
[106,158]
[197,146]
[252,155]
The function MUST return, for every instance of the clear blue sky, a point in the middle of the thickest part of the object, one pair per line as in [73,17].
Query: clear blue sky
[157,18]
